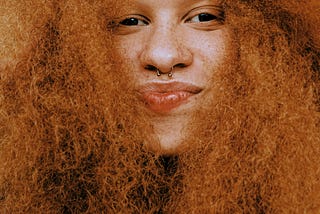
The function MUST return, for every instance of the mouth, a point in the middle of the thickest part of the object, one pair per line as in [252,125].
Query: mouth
[164,97]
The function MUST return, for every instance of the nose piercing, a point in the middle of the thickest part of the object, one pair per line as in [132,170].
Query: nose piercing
[158,73]
[169,74]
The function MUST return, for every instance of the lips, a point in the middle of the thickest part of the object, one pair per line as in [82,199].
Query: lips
[164,97]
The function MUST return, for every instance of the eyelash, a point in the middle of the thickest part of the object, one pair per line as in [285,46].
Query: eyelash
[142,21]
[134,21]
[203,15]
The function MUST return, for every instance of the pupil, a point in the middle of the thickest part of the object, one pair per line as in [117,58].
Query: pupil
[130,21]
[205,17]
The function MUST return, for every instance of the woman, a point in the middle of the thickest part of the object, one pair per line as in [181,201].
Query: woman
[160,107]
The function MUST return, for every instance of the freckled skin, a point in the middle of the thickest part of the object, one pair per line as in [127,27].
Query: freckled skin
[194,49]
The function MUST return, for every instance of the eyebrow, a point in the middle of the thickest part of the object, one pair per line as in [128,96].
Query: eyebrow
[215,3]
[189,2]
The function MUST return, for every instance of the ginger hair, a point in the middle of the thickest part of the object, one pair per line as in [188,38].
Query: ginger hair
[74,137]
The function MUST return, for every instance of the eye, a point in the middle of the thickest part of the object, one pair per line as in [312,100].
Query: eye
[128,24]
[133,21]
[206,17]
[202,17]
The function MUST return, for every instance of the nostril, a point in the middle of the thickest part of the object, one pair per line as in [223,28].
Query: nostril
[150,68]
[180,65]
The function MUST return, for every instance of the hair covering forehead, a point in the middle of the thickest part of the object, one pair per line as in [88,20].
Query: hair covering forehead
[19,26]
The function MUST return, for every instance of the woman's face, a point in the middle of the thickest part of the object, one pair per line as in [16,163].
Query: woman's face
[174,48]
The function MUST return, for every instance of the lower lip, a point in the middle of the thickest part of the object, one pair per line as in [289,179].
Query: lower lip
[166,101]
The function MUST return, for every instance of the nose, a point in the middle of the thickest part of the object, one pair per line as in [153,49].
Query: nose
[163,52]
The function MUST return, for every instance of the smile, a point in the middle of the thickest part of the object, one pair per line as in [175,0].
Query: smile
[162,98]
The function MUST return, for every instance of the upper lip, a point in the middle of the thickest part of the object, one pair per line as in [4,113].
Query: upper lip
[158,87]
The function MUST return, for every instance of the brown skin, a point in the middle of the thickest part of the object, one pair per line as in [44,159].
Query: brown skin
[74,136]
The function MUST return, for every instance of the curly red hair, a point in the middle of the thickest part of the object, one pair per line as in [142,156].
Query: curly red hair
[73,135]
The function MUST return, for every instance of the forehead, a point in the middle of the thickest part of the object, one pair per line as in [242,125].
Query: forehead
[172,4]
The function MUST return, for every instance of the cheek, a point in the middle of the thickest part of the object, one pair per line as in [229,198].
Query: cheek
[212,52]
[214,49]
[128,47]
[128,50]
